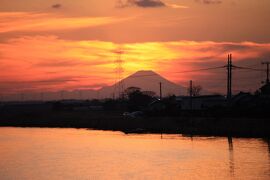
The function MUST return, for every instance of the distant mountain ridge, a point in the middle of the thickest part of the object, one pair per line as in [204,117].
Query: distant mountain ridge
[147,81]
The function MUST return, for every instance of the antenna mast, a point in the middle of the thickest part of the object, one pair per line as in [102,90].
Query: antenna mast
[267,71]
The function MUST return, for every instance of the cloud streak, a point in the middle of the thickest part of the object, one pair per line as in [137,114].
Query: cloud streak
[209,1]
[31,22]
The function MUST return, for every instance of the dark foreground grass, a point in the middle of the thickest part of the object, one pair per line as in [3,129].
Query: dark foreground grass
[113,120]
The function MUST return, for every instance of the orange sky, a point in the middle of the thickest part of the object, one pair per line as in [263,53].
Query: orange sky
[68,45]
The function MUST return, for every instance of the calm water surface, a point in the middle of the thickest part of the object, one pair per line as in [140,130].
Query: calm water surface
[33,153]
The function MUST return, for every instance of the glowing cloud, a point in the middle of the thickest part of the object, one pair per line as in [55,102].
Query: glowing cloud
[47,62]
[176,6]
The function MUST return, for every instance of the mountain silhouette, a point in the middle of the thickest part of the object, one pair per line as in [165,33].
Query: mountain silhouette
[147,81]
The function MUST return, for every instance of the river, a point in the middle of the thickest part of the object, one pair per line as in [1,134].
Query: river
[54,153]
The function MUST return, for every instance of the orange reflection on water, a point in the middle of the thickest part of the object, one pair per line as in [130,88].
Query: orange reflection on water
[33,153]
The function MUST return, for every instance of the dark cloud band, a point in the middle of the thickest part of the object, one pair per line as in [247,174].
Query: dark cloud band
[209,1]
[56,6]
[141,3]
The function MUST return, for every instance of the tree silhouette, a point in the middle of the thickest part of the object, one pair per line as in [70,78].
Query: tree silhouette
[137,99]
[131,90]
[149,93]
[196,90]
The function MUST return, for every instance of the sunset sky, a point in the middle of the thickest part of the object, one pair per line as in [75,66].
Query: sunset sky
[69,45]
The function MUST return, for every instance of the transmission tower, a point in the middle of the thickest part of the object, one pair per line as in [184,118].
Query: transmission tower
[119,70]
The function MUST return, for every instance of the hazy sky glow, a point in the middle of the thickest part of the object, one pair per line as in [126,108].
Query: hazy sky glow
[67,45]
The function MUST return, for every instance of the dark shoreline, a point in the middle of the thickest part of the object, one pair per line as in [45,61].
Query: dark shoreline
[114,121]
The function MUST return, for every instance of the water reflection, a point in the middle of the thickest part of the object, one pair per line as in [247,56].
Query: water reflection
[268,143]
[231,156]
[33,153]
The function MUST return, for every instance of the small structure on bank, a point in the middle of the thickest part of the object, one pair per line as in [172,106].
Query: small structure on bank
[265,90]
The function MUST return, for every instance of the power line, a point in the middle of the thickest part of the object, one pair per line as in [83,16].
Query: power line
[205,69]
[253,65]
[248,68]
[196,70]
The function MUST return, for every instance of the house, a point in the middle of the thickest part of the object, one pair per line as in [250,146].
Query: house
[265,90]
[242,98]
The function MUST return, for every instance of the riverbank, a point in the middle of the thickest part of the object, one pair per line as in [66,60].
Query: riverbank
[112,120]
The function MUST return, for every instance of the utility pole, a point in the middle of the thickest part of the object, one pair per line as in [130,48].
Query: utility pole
[267,71]
[98,94]
[61,95]
[22,96]
[229,77]
[190,88]
[160,90]
[41,96]
[80,95]
[190,93]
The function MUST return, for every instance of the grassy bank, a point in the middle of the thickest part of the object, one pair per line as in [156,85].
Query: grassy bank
[112,120]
